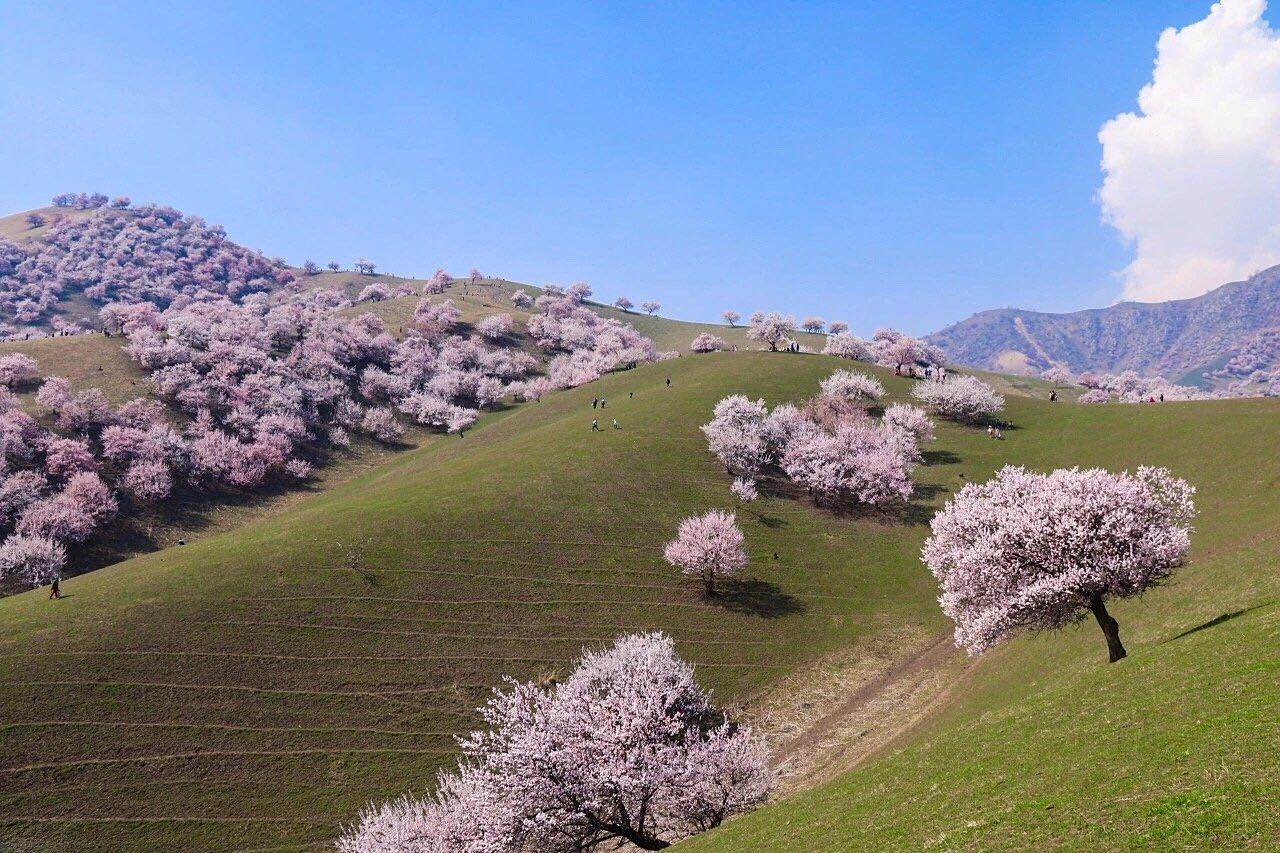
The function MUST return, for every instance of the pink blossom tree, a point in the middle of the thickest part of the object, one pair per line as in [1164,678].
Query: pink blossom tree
[860,462]
[845,345]
[521,300]
[31,559]
[495,327]
[1030,551]
[1058,375]
[736,434]
[813,325]
[963,398]
[837,327]
[771,329]
[708,546]
[744,489]
[18,369]
[852,386]
[622,303]
[914,420]
[627,749]
[650,307]
[731,317]
[1094,396]
[707,342]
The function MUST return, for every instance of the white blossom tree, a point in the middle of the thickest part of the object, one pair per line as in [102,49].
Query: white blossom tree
[1030,551]
[627,749]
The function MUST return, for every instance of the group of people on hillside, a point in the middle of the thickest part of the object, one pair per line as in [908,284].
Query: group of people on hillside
[601,402]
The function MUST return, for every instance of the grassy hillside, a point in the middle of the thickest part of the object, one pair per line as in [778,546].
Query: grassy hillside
[254,688]
[1044,744]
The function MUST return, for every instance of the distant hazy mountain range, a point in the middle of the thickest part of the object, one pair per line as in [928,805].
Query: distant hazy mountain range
[1227,333]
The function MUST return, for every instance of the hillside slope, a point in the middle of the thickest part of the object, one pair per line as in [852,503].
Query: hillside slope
[1042,744]
[323,656]
[1167,338]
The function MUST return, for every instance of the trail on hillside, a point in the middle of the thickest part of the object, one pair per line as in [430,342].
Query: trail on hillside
[854,707]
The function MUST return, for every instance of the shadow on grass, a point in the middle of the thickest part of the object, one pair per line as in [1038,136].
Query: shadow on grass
[756,598]
[939,457]
[1218,620]
[771,521]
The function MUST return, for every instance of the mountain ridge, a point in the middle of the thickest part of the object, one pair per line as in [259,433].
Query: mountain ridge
[1177,339]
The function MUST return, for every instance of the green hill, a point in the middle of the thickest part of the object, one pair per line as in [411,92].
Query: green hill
[310,650]
[1042,744]
[254,688]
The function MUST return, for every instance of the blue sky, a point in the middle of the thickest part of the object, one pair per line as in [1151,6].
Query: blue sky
[902,164]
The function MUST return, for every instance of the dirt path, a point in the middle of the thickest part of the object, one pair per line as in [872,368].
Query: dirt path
[855,708]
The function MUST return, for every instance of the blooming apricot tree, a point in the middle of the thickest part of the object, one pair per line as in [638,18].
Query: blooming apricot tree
[627,749]
[1030,551]
[708,546]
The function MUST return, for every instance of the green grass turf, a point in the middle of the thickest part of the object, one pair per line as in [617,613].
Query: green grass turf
[291,683]
[1046,745]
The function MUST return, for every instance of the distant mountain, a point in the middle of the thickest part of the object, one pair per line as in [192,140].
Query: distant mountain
[1182,340]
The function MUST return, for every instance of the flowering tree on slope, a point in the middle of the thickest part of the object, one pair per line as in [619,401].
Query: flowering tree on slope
[628,748]
[1039,551]
[707,342]
[964,398]
[709,546]
[771,329]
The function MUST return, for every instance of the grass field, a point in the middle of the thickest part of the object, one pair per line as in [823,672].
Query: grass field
[311,650]
[1044,744]
[254,688]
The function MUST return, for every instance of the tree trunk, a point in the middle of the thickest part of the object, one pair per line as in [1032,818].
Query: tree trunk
[1110,628]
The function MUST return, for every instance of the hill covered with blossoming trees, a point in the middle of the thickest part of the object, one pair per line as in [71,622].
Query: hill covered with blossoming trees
[335,509]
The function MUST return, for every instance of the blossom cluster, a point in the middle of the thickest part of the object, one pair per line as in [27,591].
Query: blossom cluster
[628,748]
[1033,551]
[962,398]
[144,254]
[830,446]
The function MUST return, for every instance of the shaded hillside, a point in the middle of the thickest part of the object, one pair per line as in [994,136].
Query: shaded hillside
[1172,339]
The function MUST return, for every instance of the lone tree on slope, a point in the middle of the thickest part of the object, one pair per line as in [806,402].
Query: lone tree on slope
[731,317]
[709,546]
[1040,551]
[650,307]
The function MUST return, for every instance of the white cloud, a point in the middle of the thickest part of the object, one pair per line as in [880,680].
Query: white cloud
[1193,177]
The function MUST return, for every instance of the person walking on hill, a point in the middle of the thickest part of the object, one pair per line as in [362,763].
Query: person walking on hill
[602,402]
[1053,396]
[615,424]
[595,425]
[668,381]
[55,589]
[595,401]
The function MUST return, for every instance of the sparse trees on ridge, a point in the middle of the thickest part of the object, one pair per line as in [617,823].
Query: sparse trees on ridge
[364,266]
[813,325]
[709,547]
[310,268]
[731,317]
[627,749]
[334,266]
[650,307]
[1029,551]
[622,303]
[837,327]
